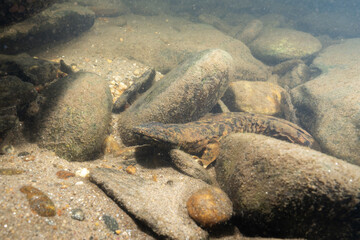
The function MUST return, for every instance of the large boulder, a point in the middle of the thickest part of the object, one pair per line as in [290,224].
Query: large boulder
[280,44]
[163,42]
[328,106]
[57,22]
[75,117]
[185,94]
[281,189]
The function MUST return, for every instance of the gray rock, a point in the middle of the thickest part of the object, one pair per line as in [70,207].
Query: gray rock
[176,39]
[28,69]
[160,205]
[188,165]
[328,106]
[281,189]
[56,22]
[110,223]
[280,44]
[141,85]
[75,117]
[78,214]
[185,94]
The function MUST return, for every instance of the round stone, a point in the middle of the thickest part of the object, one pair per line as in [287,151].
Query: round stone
[209,206]
[280,44]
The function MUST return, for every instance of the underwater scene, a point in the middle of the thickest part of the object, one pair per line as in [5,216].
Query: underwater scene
[180,119]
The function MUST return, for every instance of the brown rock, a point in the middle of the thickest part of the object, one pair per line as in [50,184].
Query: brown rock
[254,97]
[209,206]
[39,202]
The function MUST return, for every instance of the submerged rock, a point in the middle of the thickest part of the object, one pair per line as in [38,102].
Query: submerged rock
[284,190]
[29,69]
[209,206]
[279,44]
[57,22]
[160,205]
[39,202]
[328,106]
[254,97]
[75,117]
[185,94]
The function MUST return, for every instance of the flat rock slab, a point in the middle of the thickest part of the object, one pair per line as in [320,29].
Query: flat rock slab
[285,190]
[185,94]
[57,22]
[160,204]
[329,105]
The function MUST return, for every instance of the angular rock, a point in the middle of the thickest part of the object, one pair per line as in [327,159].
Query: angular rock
[328,106]
[188,165]
[279,44]
[141,85]
[284,190]
[292,73]
[57,22]
[161,206]
[75,117]
[185,94]
[254,97]
[29,69]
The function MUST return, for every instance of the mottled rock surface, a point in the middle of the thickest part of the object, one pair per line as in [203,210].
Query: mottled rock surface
[284,190]
[185,94]
[280,44]
[160,205]
[328,106]
[75,117]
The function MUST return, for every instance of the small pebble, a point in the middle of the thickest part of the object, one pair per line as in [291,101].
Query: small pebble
[78,214]
[83,172]
[10,171]
[110,223]
[131,170]
[39,202]
[62,174]
[209,206]
[22,154]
